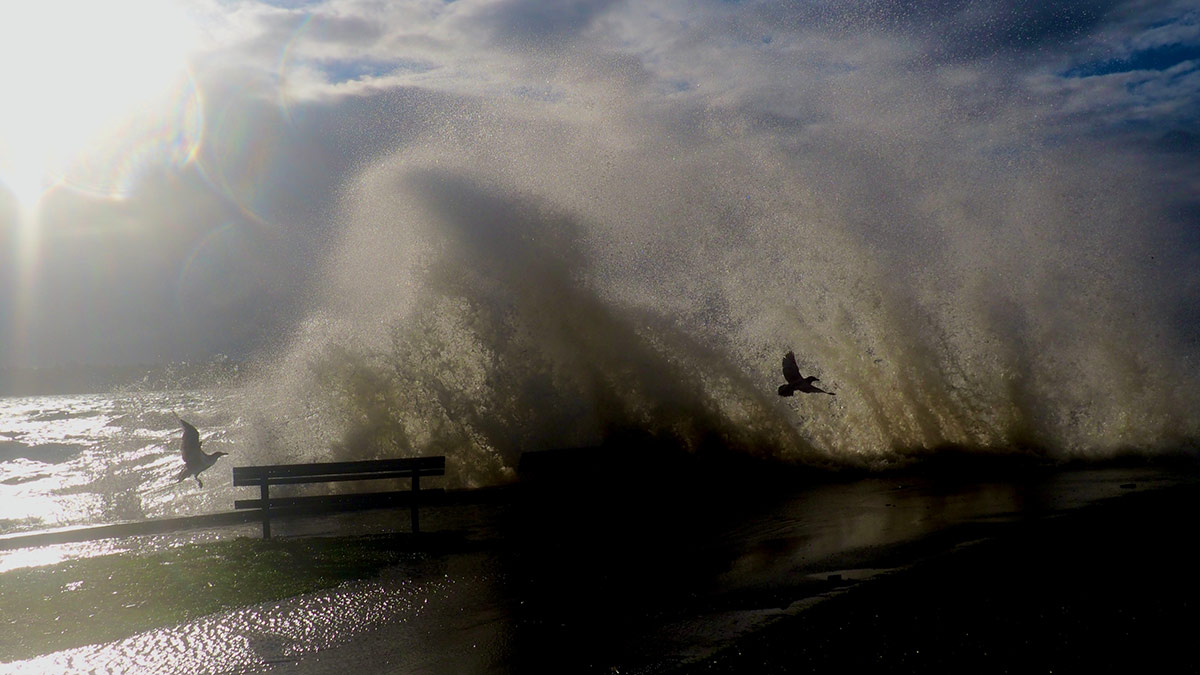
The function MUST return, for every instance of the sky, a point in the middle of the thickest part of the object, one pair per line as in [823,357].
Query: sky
[179,178]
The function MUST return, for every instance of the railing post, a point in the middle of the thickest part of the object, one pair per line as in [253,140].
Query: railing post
[416,490]
[266,507]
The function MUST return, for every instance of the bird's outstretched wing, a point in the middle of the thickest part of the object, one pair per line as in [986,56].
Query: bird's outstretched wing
[190,443]
[791,372]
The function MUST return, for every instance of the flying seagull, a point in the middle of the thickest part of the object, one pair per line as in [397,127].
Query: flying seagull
[196,459]
[795,383]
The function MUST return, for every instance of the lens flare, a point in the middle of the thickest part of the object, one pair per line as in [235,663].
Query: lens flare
[94,95]
[91,90]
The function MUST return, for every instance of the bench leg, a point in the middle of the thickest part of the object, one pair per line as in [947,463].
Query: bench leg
[416,490]
[266,509]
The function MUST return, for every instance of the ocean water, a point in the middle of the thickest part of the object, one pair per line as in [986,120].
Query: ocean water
[88,459]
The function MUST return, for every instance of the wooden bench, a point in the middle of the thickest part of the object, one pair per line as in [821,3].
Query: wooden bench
[330,472]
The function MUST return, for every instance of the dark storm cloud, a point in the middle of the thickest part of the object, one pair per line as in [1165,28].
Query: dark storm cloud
[946,30]
[1127,71]
[972,29]
[1137,78]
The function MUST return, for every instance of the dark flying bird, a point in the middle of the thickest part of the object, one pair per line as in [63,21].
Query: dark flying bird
[795,383]
[196,459]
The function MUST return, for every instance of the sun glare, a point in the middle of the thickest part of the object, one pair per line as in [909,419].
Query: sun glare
[85,84]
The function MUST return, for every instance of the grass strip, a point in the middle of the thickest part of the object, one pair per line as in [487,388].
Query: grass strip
[105,598]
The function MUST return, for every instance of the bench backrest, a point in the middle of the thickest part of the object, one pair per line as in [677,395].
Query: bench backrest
[327,472]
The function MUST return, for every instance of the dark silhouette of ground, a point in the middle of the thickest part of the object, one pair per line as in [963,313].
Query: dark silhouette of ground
[1111,588]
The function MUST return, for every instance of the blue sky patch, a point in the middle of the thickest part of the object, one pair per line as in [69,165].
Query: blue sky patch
[1155,58]
[349,71]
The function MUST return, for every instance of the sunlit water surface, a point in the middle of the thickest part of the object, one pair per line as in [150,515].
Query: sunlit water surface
[106,458]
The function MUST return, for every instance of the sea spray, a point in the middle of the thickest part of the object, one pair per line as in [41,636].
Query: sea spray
[522,277]
[504,346]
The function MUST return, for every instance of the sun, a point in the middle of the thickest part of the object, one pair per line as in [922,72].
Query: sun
[86,86]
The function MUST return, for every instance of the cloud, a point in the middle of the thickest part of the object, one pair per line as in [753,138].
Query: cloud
[526,24]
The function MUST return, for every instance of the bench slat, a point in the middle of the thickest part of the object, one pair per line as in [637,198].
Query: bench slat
[334,478]
[243,475]
[355,499]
